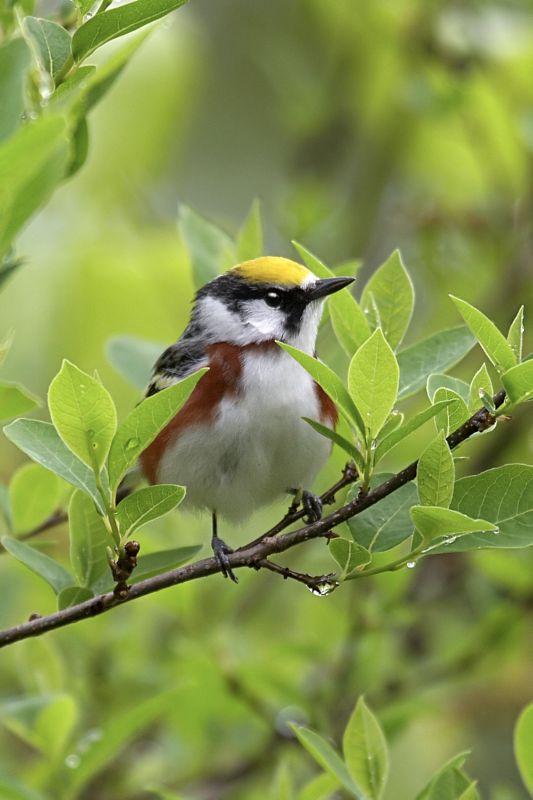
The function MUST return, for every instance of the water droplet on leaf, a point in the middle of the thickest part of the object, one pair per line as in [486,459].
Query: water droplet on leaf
[132,443]
[411,564]
[72,761]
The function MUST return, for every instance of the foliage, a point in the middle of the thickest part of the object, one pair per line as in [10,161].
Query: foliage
[200,691]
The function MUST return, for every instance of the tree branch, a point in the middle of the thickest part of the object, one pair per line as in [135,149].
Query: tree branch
[250,555]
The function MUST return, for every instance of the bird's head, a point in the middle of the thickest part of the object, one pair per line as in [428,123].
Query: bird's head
[263,299]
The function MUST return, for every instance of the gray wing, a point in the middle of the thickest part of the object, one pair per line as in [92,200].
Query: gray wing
[176,362]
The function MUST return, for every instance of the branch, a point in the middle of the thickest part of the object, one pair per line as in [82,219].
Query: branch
[251,555]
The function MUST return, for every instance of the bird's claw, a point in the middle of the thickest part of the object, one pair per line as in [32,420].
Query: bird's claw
[312,505]
[221,551]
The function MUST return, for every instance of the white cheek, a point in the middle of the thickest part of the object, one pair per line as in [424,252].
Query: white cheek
[267,321]
[218,322]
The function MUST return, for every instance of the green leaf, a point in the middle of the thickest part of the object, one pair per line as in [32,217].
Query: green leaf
[409,427]
[5,510]
[339,440]
[16,400]
[72,90]
[116,22]
[433,522]
[454,414]
[350,557]
[319,788]
[470,793]
[504,496]
[80,147]
[19,715]
[250,237]
[119,729]
[51,44]
[9,264]
[87,85]
[54,725]
[387,523]
[41,442]
[15,62]
[523,746]
[480,386]
[441,381]
[142,425]
[438,353]
[449,783]
[282,786]
[32,162]
[43,566]
[349,323]
[394,420]
[134,358]
[100,81]
[83,413]
[493,342]
[365,751]
[373,381]
[388,299]
[84,6]
[146,505]
[73,596]
[330,382]
[327,758]
[210,249]
[163,561]
[518,382]
[435,475]
[34,495]
[89,539]
[515,336]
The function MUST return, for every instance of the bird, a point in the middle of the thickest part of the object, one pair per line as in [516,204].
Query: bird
[239,442]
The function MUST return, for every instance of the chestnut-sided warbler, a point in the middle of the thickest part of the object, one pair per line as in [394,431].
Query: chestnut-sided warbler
[239,441]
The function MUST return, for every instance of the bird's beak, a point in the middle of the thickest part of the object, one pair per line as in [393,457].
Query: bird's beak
[327,286]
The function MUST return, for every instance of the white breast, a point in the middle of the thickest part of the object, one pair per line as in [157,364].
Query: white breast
[258,447]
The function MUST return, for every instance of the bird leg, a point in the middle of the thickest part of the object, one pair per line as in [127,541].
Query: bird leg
[221,551]
[311,504]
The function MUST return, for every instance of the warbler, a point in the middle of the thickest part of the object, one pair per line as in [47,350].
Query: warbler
[239,441]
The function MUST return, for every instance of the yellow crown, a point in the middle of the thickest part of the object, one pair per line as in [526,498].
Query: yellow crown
[273,269]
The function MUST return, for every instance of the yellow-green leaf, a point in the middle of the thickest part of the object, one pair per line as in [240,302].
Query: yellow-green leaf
[489,337]
[435,475]
[373,381]
[34,494]
[365,751]
[83,413]
[146,505]
[388,299]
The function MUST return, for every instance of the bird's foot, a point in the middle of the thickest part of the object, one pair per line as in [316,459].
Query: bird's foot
[312,505]
[221,551]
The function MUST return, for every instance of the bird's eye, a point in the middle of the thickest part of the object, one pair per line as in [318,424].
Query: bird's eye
[273,299]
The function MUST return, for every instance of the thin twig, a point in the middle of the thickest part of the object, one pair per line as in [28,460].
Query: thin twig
[349,475]
[320,584]
[249,555]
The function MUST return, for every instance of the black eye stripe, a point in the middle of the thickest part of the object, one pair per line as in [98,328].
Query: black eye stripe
[235,292]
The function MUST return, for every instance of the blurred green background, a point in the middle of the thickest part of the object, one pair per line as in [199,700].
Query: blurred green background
[361,127]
